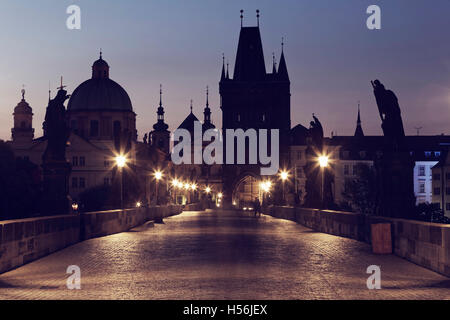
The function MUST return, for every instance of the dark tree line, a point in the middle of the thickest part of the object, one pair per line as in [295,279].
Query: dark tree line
[20,185]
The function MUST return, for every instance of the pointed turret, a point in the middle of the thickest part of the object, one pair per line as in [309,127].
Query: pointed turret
[282,68]
[359,131]
[207,114]
[160,136]
[274,62]
[222,77]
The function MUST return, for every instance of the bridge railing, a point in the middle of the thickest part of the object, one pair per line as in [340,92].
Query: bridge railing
[424,243]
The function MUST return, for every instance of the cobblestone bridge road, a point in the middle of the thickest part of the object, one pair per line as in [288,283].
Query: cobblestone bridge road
[199,255]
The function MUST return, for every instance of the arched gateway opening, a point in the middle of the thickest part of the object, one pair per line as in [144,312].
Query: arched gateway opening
[245,191]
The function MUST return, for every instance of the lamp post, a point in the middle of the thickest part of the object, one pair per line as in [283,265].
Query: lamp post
[323,163]
[174,188]
[158,176]
[121,161]
[284,175]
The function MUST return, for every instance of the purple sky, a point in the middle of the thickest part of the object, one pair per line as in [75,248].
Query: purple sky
[331,56]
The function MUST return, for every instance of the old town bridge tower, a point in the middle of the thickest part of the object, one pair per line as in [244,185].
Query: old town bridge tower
[253,99]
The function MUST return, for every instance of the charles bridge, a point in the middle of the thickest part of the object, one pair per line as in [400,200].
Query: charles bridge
[296,253]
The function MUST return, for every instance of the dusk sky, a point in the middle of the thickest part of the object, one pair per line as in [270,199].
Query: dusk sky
[331,56]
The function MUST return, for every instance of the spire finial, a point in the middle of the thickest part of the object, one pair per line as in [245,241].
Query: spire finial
[49,91]
[61,87]
[228,74]
[101,53]
[257,16]
[282,44]
[207,96]
[242,17]
[160,95]
[23,92]
[191,104]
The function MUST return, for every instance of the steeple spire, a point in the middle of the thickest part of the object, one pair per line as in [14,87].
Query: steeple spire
[160,125]
[359,131]
[257,17]
[222,77]
[23,92]
[207,114]
[228,74]
[282,68]
[191,104]
[274,68]
[242,17]
[160,95]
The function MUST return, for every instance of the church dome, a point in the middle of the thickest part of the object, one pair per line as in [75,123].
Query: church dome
[23,107]
[99,93]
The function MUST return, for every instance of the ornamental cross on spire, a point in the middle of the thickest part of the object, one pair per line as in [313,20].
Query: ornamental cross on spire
[61,87]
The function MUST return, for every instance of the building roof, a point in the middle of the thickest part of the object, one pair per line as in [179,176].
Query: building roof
[100,93]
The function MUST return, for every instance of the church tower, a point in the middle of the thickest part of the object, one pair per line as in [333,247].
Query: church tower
[254,99]
[23,122]
[160,136]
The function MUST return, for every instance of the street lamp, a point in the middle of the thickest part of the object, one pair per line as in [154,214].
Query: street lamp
[284,175]
[121,161]
[158,176]
[207,190]
[323,163]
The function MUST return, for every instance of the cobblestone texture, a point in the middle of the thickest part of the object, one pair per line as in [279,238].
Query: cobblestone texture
[199,255]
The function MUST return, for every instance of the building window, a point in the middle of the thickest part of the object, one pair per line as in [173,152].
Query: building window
[436,176]
[238,117]
[447,191]
[355,170]
[299,155]
[82,183]
[74,161]
[74,183]
[447,206]
[447,176]
[106,163]
[437,153]
[346,170]
[421,171]
[106,181]
[94,128]
[427,154]
[263,117]
[421,187]
[437,191]
[82,161]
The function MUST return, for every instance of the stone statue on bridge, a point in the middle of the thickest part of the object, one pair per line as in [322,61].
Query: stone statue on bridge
[56,169]
[390,114]
[394,165]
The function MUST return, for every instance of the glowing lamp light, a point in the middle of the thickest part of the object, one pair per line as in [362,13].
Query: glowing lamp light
[265,186]
[220,195]
[74,206]
[207,189]
[158,175]
[175,182]
[138,204]
[186,186]
[323,161]
[193,187]
[121,161]
[284,175]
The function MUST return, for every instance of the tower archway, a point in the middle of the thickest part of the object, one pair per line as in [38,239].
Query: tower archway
[245,190]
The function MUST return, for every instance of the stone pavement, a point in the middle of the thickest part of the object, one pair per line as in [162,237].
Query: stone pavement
[210,255]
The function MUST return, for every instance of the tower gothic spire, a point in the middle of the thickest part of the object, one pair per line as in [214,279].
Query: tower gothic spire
[359,131]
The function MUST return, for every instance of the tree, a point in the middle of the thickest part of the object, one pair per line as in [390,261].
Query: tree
[360,192]
[19,185]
